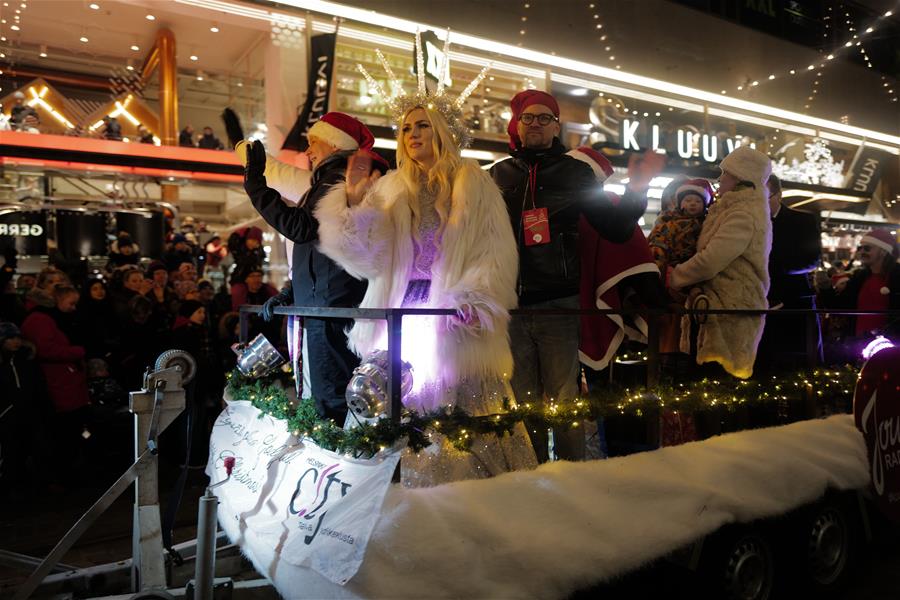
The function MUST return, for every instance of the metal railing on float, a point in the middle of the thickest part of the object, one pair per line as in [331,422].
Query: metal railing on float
[394,318]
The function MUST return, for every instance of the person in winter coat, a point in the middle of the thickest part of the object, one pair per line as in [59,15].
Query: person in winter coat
[186,137]
[98,330]
[546,192]
[123,251]
[874,286]
[112,129]
[12,308]
[796,251]
[247,251]
[731,266]
[62,364]
[316,280]
[434,234]
[24,408]
[192,335]
[179,253]
[209,141]
[254,291]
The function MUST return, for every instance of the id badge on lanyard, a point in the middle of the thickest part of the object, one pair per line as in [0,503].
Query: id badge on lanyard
[537,226]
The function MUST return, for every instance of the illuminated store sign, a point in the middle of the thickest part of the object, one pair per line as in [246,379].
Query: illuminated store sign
[636,135]
[20,229]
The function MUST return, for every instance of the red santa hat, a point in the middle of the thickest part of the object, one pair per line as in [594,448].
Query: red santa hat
[700,187]
[342,131]
[598,163]
[881,239]
[519,103]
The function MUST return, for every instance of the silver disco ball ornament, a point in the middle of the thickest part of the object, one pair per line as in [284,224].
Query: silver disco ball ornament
[368,395]
[258,357]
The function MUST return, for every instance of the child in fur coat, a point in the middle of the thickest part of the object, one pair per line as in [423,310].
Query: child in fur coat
[731,263]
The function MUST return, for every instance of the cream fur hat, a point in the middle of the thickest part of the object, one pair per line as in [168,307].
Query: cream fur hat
[747,164]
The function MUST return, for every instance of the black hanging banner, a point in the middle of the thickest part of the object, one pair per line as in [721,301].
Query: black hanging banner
[321,68]
[865,172]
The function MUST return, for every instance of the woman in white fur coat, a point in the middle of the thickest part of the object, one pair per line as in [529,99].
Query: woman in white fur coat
[435,233]
[731,264]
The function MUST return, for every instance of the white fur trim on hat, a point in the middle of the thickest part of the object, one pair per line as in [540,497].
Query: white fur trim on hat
[584,155]
[868,239]
[332,135]
[694,189]
[747,164]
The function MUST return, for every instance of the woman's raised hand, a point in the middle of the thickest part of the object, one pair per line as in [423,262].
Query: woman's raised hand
[360,177]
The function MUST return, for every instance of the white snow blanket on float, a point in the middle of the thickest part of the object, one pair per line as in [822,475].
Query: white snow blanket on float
[565,526]
[312,507]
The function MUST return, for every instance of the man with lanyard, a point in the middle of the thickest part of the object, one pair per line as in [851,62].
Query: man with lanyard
[316,279]
[547,191]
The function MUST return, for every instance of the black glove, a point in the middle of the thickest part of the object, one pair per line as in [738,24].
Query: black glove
[232,127]
[255,171]
[285,296]
[11,255]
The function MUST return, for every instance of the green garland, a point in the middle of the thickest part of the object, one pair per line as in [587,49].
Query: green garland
[269,396]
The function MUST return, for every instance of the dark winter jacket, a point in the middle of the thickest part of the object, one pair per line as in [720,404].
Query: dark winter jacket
[567,188]
[210,142]
[796,249]
[60,361]
[24,389]
[316,279]
[173,258]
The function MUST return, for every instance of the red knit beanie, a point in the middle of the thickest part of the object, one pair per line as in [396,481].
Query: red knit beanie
[519,103]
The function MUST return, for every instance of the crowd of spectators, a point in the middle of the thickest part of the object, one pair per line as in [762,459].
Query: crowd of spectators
[73,349]
[23,117]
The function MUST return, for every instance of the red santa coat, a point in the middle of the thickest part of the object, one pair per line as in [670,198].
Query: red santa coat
[603,265]
[59,360]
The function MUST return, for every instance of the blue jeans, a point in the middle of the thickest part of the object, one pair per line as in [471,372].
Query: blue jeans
[545,366]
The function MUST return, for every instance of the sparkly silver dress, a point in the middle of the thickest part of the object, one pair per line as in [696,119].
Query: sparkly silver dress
[440,462]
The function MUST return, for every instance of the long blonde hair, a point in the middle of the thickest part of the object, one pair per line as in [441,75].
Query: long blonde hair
[438,179]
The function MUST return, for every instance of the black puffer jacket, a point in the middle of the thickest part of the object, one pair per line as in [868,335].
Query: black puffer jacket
[568,189]
[316,279]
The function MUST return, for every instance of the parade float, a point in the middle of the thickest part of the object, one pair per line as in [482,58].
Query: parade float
[312,505]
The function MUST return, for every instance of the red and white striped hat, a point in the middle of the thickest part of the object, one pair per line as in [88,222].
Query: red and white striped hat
[599,164]
[700,187]
[881,239]
[342,131]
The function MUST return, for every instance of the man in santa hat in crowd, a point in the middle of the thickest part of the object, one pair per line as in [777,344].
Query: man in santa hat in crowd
[316,280]
[874,286]
[547,192]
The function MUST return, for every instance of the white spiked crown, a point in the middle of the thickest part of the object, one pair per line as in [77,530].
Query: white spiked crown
[449,108]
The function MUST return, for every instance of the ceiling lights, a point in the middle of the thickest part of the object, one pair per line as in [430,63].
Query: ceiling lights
[135,47]
[94,6]
[214,28]
[670,91]
[150,18]
[194,57]
[83,40]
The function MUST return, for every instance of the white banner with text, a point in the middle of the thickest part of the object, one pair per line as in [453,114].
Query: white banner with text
[317,507]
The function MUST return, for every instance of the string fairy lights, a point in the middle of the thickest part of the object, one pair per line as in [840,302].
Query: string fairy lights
[825,386]
[853,41]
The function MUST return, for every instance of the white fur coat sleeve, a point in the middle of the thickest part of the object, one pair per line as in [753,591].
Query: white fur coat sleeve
[731,240]
[287,180]
[358,238]
[480,278]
